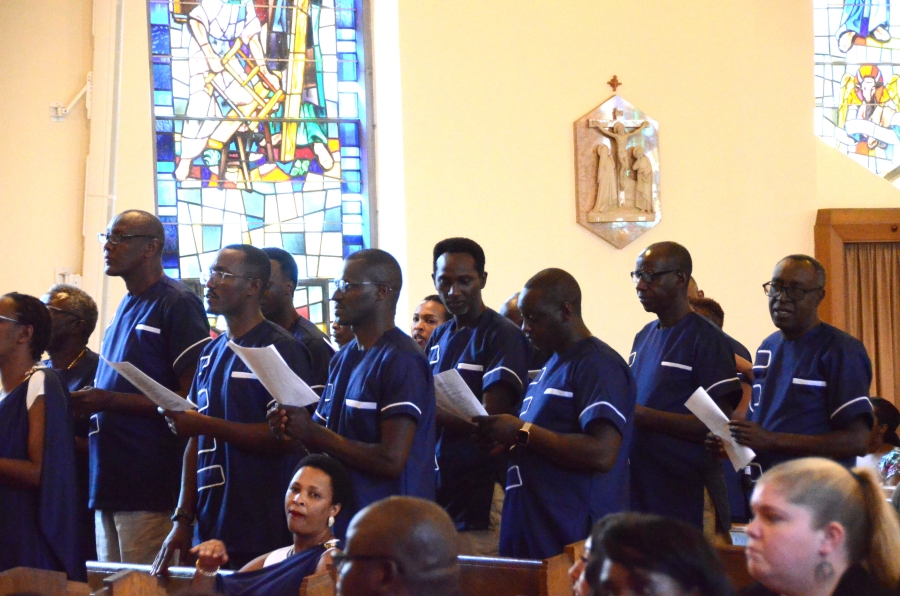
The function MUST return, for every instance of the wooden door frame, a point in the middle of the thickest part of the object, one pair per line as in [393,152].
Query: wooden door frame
[837,227]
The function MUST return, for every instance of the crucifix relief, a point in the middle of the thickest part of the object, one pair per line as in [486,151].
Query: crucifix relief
[617,165]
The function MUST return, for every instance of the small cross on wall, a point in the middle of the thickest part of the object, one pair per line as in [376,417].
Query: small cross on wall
[614,83]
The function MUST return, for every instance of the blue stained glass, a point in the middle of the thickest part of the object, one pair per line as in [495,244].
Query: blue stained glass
[345,14]
[165,167]
[164,125]
[165,192]
[347,67]
[346,34]
[332,215]
[294,243]
[159,13]
[254,204]
[162,98]
[351,182]
[254,223]
[349,134]
[162,77]
[165,147]
[212,238]
[350,152]
[159,39]
[190,195]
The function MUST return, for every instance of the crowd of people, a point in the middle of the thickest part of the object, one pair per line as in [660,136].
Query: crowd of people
[575,437]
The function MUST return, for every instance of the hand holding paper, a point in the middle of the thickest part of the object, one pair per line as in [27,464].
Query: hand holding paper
[454,395]
[162,397]
[276,376]
[704,408]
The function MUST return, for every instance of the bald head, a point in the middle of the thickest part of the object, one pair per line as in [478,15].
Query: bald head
[672,255]
[555,286]
[382,267]
[418,541]
[510,310]
[141,222]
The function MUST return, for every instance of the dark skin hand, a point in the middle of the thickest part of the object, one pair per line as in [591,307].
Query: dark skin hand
[256,438]
[386,458]
[594,451]
[182,534]
[498,399]
[686,427]
[839,444]
[91,400]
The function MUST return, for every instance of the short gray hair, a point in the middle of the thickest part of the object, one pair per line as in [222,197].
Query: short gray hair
[80,304]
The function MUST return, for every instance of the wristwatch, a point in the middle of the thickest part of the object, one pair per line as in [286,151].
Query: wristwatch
[184,514]
[523,434]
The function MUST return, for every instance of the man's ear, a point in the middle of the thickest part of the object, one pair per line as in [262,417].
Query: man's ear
[25,335]
[483,278]
[565,311]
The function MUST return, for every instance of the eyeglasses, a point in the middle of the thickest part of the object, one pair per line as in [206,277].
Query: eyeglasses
[54,309]
[342,286]
[114,239]
[648,276]
[219,276]
[793,293]
[340,561]
[11,320]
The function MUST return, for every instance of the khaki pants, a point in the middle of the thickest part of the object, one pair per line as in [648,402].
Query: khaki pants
[485,543]
[130,536]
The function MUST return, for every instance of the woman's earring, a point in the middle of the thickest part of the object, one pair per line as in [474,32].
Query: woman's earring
[331,523]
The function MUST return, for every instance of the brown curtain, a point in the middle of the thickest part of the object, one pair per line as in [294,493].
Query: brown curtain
[873,309]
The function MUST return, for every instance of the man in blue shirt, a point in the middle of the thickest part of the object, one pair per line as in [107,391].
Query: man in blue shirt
[811,380]
[671,358]
[278,306]
[235,470]
[569,446]
[377,413]
[491,355]
[135,462]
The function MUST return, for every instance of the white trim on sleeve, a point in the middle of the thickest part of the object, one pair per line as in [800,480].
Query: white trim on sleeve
[604,403]
[142,327]
[810,382]
[676,365]
[402,403]
[504,368]
[362,405]
[187,349]
[833,414]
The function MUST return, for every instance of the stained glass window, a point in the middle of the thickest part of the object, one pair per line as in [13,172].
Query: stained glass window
[857,81]
[260,115]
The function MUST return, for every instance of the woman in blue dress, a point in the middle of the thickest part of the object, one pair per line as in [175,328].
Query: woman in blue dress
[320,488]
[39,517]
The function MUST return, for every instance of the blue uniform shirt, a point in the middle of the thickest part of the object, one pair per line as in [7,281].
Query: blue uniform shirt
[493,351]
[548,506]
[136,461]
[316,342]
[366,387]
[668,365]
[812,385]
[240,495]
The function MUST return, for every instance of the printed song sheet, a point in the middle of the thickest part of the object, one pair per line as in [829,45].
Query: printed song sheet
[162,397]
[276,376]
[454,395]
[704,408]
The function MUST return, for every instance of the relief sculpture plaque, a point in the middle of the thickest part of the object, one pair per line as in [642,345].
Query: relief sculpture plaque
[617,171]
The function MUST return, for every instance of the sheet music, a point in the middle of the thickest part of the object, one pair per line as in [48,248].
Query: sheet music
[704,408]
[454,395]
[162,397]
[276,376]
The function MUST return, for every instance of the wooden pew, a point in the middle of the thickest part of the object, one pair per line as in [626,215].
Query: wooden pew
[735,562]
[98,573]
[40,581]
[498,576]
[320,584]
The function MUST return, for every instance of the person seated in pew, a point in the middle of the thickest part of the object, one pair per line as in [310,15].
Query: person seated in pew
[580,586]
[568,461]
[315,496]
[820,529]
[400,546]
[428,316]
[636,553]
[884,444]
[40,519]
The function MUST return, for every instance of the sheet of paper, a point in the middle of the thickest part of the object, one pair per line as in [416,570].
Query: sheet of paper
[454,395]
[276,376]
[162,397]
[704,408]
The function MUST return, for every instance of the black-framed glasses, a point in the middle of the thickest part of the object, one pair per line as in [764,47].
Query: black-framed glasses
[342,286]
[2,318]
[340,561]
[56,309]
[648,276]
[219,276]
[113,238]
[793,293]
